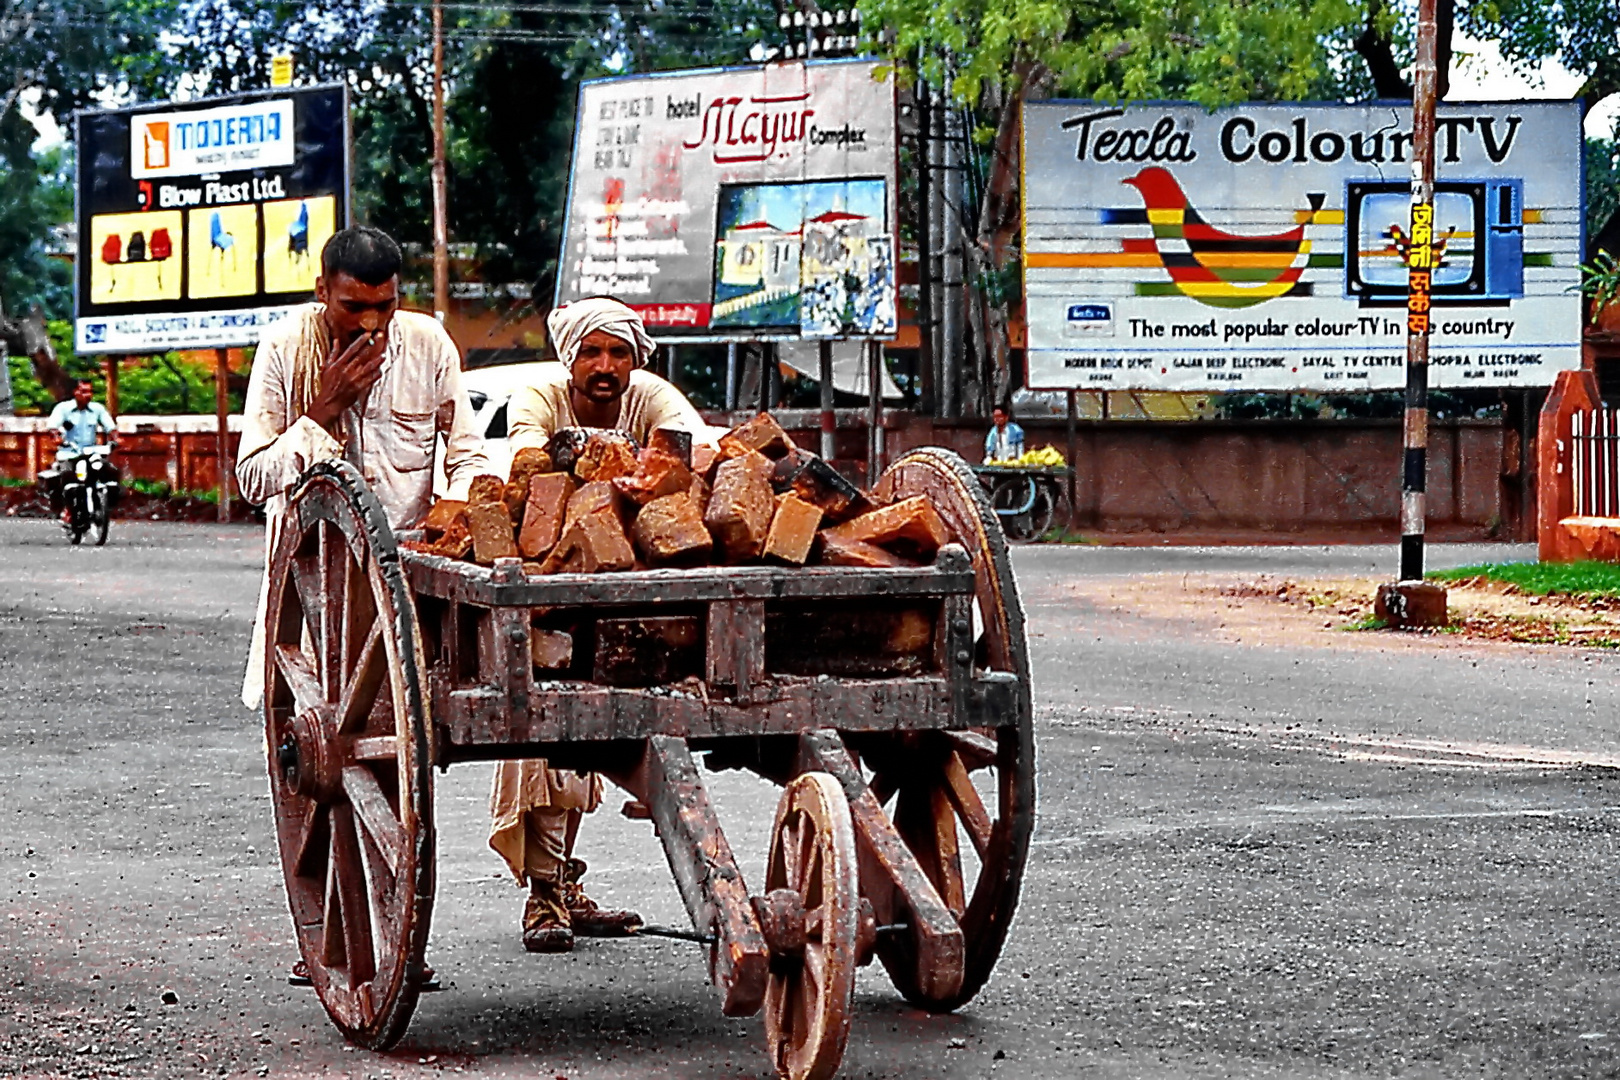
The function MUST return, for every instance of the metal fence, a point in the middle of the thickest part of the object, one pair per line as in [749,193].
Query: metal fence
[1595,462]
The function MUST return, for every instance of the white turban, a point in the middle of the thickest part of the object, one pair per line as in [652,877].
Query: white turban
[570,324]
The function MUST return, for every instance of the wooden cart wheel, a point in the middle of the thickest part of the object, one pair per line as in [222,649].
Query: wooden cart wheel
[811,913]
[936,786]
[346,725]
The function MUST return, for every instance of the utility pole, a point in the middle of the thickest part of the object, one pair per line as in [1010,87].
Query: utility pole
[1411,601]
[441,251]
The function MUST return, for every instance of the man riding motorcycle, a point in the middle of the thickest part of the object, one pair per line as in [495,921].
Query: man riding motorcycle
[80,423]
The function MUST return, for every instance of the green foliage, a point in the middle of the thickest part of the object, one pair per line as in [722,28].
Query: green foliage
[1200,50]
[161,385]
[1602,183]
[1600,280]
[1545,579]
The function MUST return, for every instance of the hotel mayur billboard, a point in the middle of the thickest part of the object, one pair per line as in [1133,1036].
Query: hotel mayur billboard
[738,203]
[201,224]
[1265,247]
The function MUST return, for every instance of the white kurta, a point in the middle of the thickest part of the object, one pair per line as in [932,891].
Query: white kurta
[389,435]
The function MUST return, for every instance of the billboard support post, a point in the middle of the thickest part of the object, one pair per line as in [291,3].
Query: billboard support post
[829,421]
[874,414]
[1072,454]
[1418,280]
[441,254]
[222,445]
[925,252]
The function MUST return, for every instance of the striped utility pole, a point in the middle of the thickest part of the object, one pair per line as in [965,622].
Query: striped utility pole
[1411,601]
[1419,276]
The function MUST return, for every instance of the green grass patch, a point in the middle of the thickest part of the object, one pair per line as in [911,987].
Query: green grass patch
[1059,535]
[1544,579]
[1366,622]
[13,482]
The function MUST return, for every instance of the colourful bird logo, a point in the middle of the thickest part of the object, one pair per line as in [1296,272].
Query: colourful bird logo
[1213,266]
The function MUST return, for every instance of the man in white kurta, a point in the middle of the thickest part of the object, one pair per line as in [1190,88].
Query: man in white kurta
[350,377]
[535,811]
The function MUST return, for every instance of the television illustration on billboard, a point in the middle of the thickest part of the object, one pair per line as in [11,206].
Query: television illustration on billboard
[1478,241]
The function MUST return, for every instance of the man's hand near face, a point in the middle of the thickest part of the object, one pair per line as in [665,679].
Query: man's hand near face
[357,316]
[346,378]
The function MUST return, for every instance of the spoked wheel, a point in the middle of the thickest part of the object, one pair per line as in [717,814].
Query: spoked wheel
[347,729]
[811,914]
[1015,500]
[964,802]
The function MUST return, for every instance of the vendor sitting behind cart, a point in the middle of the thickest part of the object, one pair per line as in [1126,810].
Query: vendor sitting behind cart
[535,810]
[1005,441]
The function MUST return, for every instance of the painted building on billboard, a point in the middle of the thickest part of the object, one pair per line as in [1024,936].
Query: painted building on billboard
[200,225]
[737,203]
[1266,247]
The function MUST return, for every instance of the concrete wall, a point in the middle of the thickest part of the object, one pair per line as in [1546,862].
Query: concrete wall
[1237,479]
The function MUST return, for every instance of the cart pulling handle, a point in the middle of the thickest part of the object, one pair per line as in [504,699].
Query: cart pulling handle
[649,930]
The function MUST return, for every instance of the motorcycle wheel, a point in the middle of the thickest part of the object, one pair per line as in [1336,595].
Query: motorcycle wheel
[100,513]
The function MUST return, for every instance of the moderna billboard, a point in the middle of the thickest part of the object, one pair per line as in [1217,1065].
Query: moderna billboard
[738,203]
[202,224]
[1266,247]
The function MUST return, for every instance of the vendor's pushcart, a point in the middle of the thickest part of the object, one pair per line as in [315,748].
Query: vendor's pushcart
[893,705]
[1023,497]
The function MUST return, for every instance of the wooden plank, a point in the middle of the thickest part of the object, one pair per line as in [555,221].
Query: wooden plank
[891,877]
[301,678]
[563,712]
[706,874]
[450,579]
[735,661]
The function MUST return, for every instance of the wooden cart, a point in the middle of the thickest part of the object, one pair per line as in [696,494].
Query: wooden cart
[894,705]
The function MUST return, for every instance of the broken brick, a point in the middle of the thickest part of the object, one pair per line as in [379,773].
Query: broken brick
[841,551]
[588,500]
[788,467]
[565,446]
[912,522]
[440,516]
[486,488]
[762,434]
[551,649]
[792,531]
[819,483]
[658,473]
[670,531]
[544,512]
[606,454]
[704,459]
[672,441]
[699,491]
[529,462]
[490,525]
[456,541]
[595,543]
[740,506]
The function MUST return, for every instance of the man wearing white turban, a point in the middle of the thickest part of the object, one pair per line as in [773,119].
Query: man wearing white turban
[535,811]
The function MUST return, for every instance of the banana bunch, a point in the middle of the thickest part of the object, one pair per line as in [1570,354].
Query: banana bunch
[1042,457]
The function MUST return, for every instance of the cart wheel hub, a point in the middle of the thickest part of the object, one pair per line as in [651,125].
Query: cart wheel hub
[783,923]
[307,761]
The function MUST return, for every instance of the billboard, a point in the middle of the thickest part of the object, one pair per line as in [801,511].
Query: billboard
[201,224]
[738,203]
[1265,247]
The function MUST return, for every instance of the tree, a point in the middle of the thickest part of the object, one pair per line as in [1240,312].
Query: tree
[57,55]
[991,54]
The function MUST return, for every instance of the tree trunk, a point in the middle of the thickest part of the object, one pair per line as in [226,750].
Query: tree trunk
[28,337]
[995,245]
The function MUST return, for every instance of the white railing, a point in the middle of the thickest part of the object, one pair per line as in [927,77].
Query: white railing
[1595,462]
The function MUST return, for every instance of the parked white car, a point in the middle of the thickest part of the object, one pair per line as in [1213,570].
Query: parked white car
[489,389]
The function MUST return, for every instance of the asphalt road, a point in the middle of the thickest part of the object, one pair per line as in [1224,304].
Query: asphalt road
[1258,854]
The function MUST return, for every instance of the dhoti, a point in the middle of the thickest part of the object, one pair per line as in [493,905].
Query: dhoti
[529,805]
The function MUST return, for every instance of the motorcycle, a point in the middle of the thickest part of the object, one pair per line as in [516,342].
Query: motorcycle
[85,484]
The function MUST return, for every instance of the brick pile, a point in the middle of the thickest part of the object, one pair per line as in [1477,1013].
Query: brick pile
[594,502]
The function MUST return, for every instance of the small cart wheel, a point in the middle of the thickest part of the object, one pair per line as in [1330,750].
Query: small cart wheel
[964,802]
[346,725]
[811,912]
